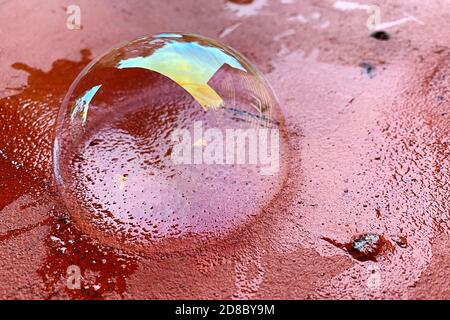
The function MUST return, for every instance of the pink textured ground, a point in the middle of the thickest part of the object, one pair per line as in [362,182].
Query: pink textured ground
[369,152]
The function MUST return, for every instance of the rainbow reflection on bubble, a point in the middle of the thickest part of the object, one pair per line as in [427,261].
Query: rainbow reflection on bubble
[191,62]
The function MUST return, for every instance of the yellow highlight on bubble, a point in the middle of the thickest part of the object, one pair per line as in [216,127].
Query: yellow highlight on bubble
[189,64]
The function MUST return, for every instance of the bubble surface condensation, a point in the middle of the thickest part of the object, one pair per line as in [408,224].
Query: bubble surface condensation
[169,137]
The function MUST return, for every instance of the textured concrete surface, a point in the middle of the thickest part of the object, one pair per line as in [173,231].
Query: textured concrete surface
[368,123]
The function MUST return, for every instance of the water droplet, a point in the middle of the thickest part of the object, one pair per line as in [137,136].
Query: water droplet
[168,138]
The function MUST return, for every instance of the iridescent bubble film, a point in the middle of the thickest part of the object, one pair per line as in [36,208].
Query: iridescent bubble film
[170,137]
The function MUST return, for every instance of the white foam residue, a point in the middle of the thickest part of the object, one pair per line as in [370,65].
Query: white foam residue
[299,17]
[245,10]
[387,25]
[229,30]
[348,5]
[285,34]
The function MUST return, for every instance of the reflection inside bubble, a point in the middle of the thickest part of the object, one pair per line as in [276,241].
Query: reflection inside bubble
[167,137]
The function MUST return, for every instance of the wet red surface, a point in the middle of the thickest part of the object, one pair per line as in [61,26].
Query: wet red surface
[368,155]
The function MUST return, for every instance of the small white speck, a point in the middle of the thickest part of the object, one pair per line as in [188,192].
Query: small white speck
[299,17]
[316,15]
[348,5]
[56,239]
[285,34]
[229,30]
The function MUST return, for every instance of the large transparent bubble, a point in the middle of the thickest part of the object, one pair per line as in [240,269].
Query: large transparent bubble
[170,137]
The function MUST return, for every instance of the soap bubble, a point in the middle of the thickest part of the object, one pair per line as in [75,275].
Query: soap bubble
[169,137]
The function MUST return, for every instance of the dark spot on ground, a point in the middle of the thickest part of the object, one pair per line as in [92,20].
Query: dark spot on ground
[368,68]
[378,212]
[365,247]
[400,241]
[368,246]
[381,35]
